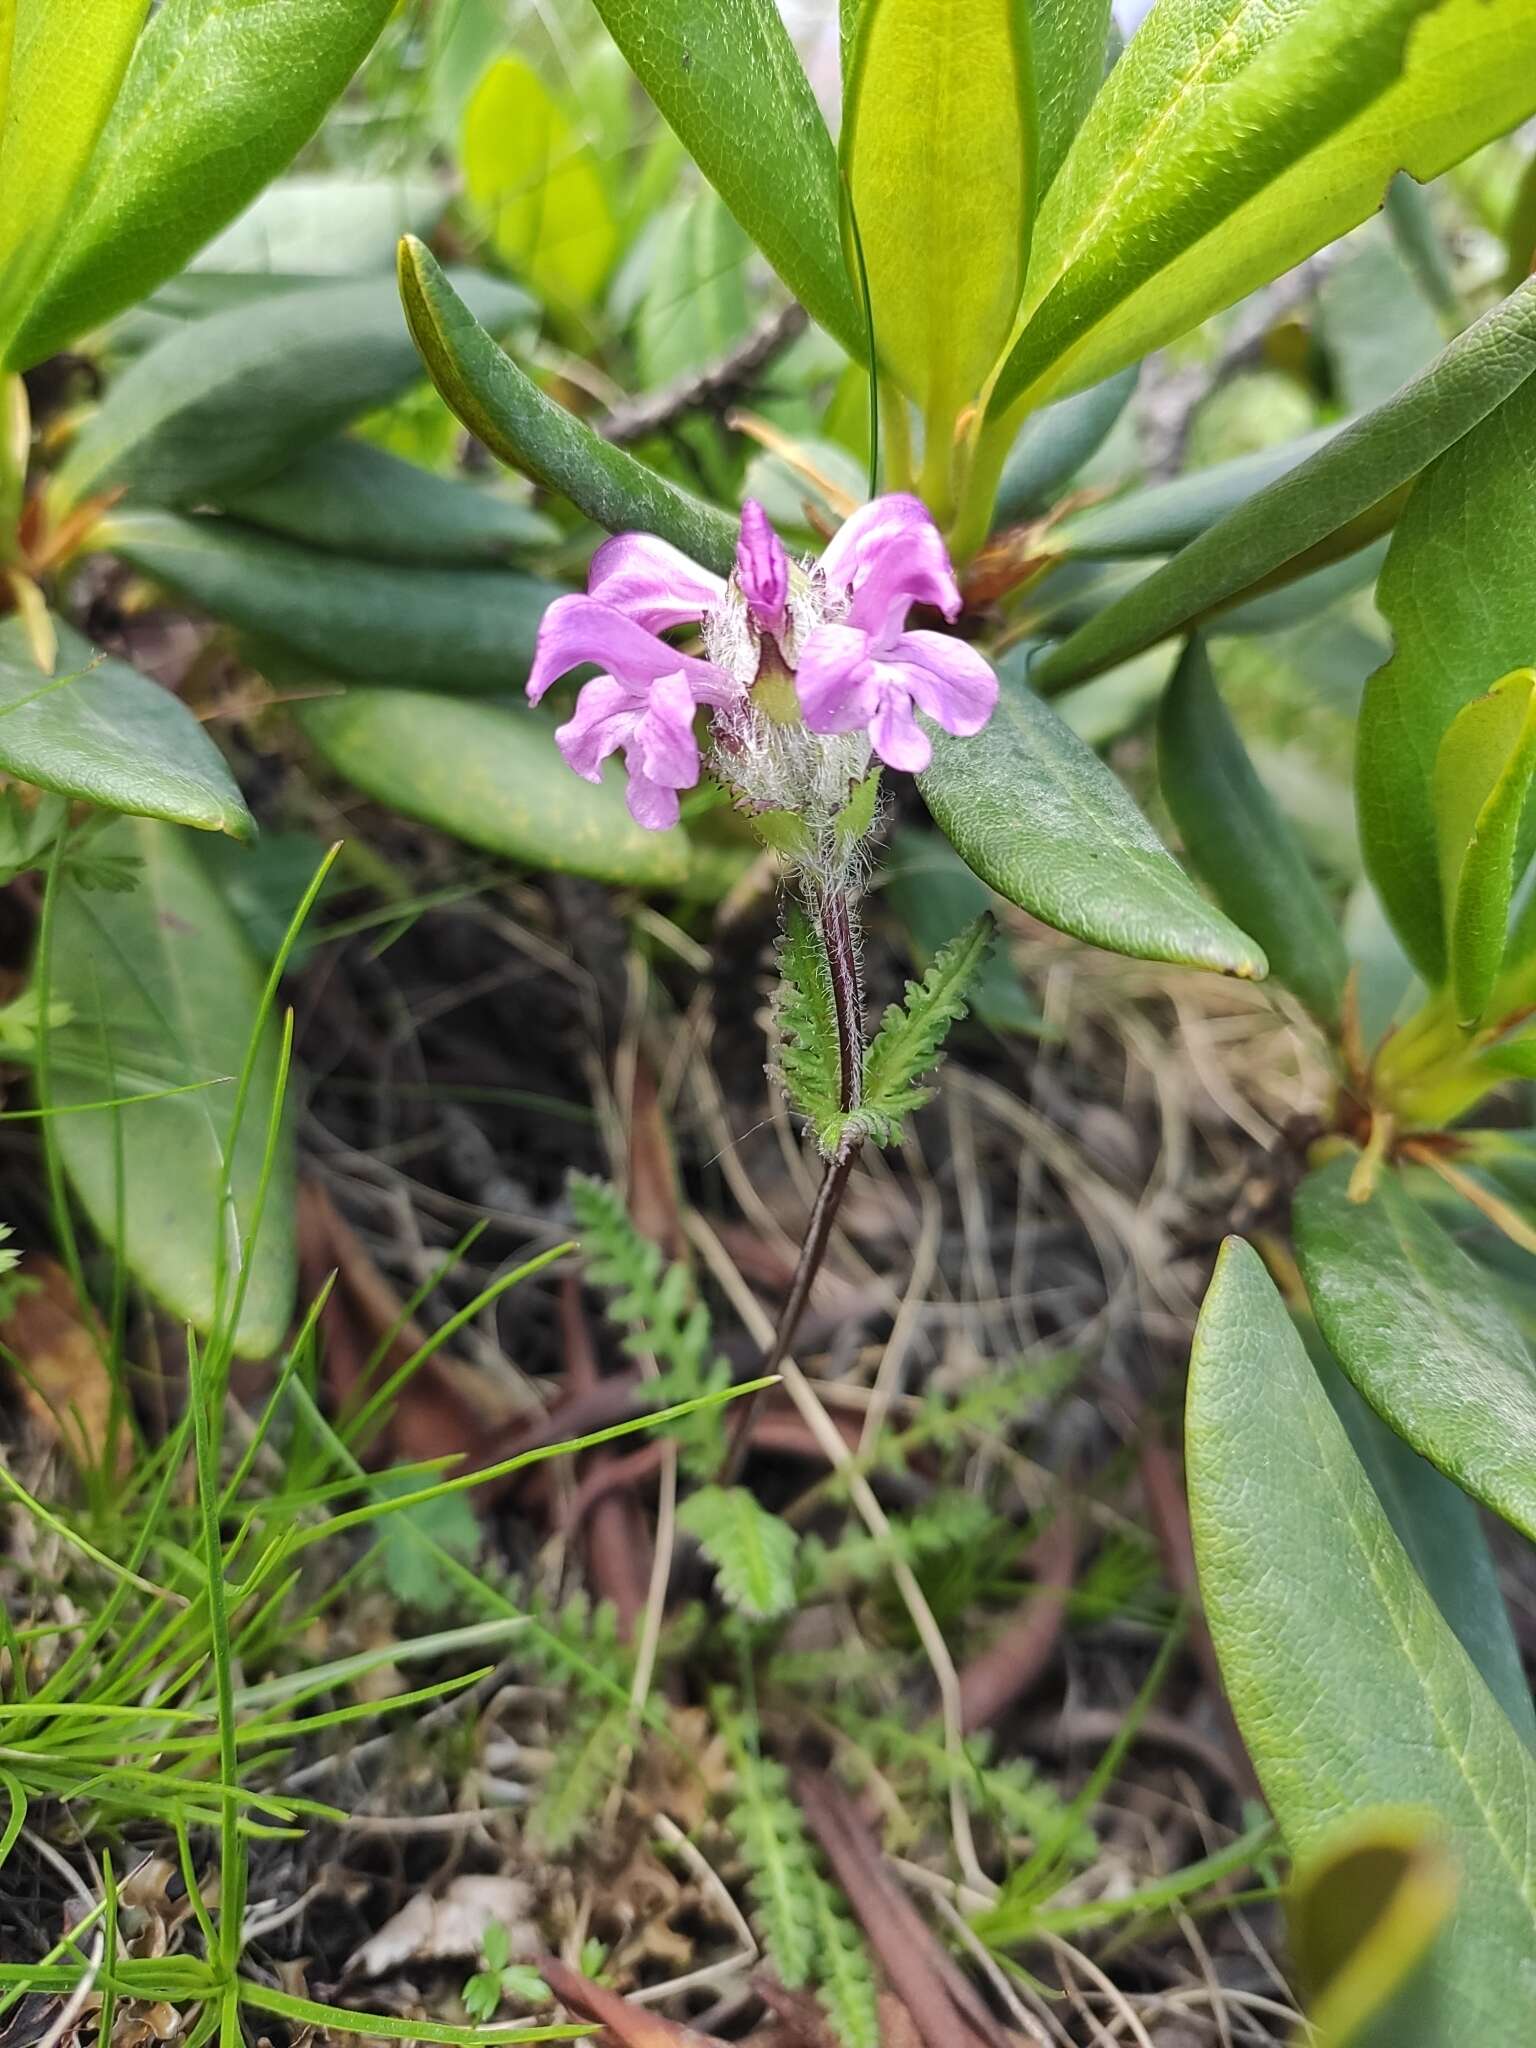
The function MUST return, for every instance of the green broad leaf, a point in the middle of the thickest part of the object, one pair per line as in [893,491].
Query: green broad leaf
[1462,610]
[323,224]
[1069,49]
[1054,445]
[217,100]
[938,148]
[1349,1687]
[377,622]
[1437,1524]
[1240,844]
[1035,813]
[697,306]
[1416,1324]
[503,408]
[752,1551]
[98,731]
[491,777]
[1342,496]
[910,1041]
[351,498]
[1376,324]
[230,399]
[1232,140]
[162,991]
[1162,518]
[537,183]
[1364,1917]
[728,81]
[65,67]
[1481,778]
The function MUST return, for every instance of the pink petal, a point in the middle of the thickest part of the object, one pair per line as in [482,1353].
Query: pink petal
[889,556]
[835,681]
[651,582]
[604,719]
[896,735]
[762,568]
[948,679]
[664,739]
[576,629]
[651,804]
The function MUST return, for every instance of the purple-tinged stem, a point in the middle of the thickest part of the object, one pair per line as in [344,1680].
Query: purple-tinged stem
[834,919]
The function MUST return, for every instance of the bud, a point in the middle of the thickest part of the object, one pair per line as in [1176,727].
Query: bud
[762,569]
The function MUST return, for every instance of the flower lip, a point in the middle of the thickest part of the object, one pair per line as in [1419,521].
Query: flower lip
[652,582]
[576,630]
[762,569]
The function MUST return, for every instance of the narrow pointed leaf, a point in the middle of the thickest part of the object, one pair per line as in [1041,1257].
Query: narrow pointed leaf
[1341,497]
[162,991]
[492,777]
[425,628]
[1349,1687]
[1035,813]
[729,82]
[217,100]
[98,731]
[1482,776]
[1240,844]
[938,146]
[529,432]
[1416,1324]
[1231,141]
[229,399]
[1457,594]
[66,66]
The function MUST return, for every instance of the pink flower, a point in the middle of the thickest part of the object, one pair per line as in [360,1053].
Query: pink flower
[842,630]
[644,702]
[864,669]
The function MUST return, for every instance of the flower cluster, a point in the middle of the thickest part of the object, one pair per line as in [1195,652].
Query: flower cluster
[805,671]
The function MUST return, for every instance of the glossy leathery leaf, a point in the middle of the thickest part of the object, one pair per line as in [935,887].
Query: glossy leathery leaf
[216,101]
[1231,141]
[1035,813]
[1462,608]
[1069,48]
[1053,446]
[162,989]
[351,498]
[98,731]
[938,148]
[1161,518]
[1481,778]
[1350,1688]
[322,224]
[1240,844]
[490,776]
[1413,1321]
[423,628]
[1376,324]
[697,306]
[66,67]
[506,410]
[531,176]
[229,399]
[728,81]
[1346,488]
[1365,1914]
[1440,1528]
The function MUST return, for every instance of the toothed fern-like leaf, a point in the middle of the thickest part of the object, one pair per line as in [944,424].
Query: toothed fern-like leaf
[909,1042]
[805,1017]
[845,1980]
[585,1767]
[780,1858]
[662,1313]
[752,1551]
